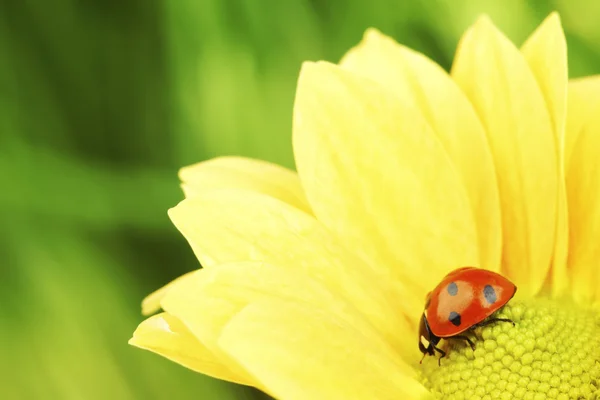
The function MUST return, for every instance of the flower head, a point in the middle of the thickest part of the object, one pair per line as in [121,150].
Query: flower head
[313,282]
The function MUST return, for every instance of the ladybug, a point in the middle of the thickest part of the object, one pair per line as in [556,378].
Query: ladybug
[462,301]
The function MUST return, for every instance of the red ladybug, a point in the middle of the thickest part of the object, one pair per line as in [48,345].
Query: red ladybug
[462,301]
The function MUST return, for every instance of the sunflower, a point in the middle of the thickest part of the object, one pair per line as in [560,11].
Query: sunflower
[313,282]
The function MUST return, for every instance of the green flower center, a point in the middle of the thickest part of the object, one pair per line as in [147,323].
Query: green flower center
[552,352]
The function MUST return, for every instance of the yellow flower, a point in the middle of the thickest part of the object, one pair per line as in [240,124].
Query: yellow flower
[313,282]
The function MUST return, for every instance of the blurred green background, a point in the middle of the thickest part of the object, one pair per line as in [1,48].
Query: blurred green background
[102,101]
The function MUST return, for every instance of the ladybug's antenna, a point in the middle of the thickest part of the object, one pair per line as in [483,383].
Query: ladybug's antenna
[422,358]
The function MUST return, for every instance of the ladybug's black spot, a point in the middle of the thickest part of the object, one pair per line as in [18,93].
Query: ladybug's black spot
[490,294]
[452,289]
[454,318]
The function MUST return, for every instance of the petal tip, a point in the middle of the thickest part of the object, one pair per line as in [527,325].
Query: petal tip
[149,306]
[484,20]
[372,39]
[315,73]
[373,34]
[182,173]
[484,26]
[552,22]
[308,70]
[307,67]
[135,337]
[179,214]
[173,211]
[554,17]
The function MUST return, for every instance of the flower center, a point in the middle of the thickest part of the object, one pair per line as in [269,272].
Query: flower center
[553,351]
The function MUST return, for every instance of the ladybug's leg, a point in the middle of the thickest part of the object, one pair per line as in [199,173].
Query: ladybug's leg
[443,354]
[492,320]
[465,339]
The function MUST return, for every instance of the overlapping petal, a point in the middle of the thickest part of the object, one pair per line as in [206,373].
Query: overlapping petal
[207,302]
[376,175]
[151,303]
[583,187]
[582,105]
[504,91]
[225,226]
[244,173]
[546,53]
[302,352]
[423,84]
[166,335]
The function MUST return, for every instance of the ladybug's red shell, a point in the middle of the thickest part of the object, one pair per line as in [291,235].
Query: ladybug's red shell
[465,297]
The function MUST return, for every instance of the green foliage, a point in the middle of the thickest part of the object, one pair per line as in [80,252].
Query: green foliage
[102,101]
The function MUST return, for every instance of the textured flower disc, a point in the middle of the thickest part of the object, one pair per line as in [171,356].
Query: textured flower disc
[552,352]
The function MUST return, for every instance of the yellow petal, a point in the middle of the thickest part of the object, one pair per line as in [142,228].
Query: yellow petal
[166,335]
[581,105]
[546,53]
[500,84]
[151,303]
[235,226]
[208,300]
[377,176]
[583,187]
[301,352]
[244,173]
[420,82]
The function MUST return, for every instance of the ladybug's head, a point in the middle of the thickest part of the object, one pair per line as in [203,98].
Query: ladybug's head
[427,340]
